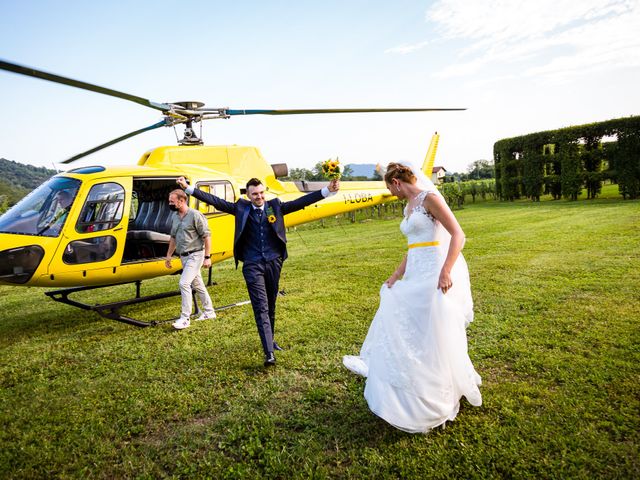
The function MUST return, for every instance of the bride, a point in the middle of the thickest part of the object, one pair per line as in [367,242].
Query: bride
[415,354]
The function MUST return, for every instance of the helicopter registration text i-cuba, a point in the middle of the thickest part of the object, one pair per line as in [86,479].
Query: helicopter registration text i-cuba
[98,226]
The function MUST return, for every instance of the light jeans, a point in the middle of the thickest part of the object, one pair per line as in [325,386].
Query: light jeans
[192,279]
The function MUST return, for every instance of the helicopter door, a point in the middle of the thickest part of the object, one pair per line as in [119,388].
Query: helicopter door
[149,221]
[92,244]
[222,225]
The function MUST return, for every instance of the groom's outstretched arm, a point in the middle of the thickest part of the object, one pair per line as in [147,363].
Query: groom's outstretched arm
[310,198]
[205,197]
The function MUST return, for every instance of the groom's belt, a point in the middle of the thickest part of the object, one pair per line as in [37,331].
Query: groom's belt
[424,244]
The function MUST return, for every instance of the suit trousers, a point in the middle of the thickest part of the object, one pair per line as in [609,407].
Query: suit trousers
[263,279]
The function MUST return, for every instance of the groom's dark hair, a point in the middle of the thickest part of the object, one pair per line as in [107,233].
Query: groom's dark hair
[254,182]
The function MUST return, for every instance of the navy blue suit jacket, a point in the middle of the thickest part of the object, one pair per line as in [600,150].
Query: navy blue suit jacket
[242,208]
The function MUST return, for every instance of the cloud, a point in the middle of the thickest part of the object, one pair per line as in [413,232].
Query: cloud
[559,39]
[404,49]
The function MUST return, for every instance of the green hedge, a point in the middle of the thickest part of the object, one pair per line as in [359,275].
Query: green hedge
[563,162]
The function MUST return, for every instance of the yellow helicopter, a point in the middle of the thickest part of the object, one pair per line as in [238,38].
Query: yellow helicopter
[97,226]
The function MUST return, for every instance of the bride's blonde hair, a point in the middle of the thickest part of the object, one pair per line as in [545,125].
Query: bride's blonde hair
[399,171]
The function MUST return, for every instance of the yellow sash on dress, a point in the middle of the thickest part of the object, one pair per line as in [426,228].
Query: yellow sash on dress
[424,244]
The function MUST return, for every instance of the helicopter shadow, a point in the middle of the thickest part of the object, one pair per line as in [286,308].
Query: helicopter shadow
[50,322]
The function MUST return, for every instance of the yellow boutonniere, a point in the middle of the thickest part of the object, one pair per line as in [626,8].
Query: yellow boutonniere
[271,218]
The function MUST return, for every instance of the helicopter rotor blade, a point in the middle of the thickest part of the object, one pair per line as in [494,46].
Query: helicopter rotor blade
[32,72]
[162,123]
[334,110]
[184,112]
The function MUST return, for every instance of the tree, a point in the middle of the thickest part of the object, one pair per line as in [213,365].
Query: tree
[347,172]
[552,171]
[317,175]
[300,174]
[570,159]
[480,169]
[12,192]
[570,176]
[591,155]
[316,172]
[4,204]
[533,173]
[628,164]
[453,194]
[488,187]
[473,189]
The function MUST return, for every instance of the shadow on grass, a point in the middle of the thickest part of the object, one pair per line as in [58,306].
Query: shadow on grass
[56,321]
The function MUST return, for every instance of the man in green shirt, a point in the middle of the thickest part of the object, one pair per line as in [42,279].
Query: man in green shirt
[191,239]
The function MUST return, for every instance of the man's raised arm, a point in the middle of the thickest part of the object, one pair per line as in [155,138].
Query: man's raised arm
[313,197]
[205,197]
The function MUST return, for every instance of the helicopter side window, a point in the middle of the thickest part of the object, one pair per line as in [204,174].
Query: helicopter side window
[95,249]
[204,207]
[103,208]
[220,189]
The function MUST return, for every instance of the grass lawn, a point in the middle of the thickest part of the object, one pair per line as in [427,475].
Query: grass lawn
[555,339]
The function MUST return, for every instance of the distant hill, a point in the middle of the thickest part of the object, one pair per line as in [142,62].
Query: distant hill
[18,179]
[362,169]
[23,175]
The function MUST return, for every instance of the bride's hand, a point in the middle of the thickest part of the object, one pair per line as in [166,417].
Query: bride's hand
[391,280]
[444,282]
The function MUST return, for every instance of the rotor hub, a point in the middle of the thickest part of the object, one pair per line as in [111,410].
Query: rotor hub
[189,105]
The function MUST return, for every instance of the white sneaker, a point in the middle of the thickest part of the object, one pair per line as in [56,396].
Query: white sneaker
[181,323]
[207,316]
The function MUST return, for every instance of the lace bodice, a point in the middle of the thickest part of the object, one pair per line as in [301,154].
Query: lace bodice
[417,225]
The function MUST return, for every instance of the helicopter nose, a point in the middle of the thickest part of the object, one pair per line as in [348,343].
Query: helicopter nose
[17,265]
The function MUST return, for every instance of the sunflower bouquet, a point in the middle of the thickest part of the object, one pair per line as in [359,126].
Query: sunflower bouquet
[332,169]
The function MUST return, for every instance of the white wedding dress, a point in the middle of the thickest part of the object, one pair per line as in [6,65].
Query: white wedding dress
[415,354]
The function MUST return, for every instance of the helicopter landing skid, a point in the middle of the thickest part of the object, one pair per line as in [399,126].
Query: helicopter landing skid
[112,310]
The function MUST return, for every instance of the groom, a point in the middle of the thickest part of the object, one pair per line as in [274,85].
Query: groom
[260,242]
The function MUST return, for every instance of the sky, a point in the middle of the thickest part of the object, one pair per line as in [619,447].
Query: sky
[517,66]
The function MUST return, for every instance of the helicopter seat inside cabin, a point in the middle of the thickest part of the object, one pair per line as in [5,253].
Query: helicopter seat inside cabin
[148,235]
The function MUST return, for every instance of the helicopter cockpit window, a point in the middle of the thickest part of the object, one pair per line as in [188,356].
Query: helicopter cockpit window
[103,208]
[44,211]
[219,189]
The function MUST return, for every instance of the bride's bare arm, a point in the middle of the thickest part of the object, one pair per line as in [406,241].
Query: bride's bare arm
[395,276]
[438,208]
